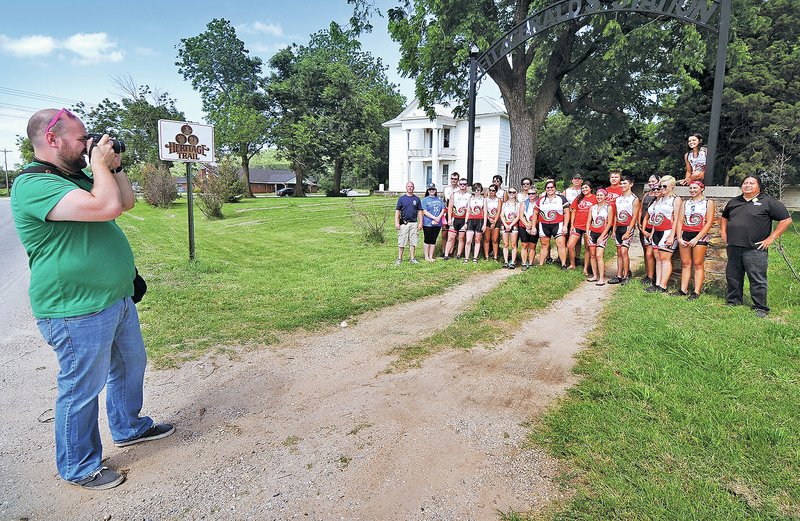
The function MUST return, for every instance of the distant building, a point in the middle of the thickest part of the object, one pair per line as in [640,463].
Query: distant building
[262,180]
[425,151]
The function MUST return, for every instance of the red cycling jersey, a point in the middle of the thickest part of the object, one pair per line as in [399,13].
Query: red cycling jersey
[581,210]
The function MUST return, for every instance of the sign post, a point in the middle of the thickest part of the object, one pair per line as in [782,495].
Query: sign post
[183,142]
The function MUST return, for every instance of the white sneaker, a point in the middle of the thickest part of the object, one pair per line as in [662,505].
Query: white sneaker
[398,262]
[414,261]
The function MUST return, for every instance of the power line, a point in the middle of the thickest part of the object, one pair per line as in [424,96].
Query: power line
[13,116]
[17,107]
[36,96]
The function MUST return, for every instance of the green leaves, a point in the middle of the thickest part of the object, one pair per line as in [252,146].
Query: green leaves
[329,100]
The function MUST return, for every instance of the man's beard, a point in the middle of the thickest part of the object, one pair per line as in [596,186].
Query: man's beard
[73,164]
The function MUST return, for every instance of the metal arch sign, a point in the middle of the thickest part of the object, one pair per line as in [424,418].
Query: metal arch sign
[698,12]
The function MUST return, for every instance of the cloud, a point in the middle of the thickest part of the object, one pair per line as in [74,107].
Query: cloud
[264,48]
[28,46]
[93,48]
[269,28]
[89,48]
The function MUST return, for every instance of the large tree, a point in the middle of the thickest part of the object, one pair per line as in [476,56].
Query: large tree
[612,65]
[330,99]
[134,119]
[761,101]
[231,85]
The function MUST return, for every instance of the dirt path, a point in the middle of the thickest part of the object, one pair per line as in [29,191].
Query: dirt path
[316,429]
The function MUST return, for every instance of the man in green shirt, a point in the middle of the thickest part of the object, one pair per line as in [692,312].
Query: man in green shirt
[81,282]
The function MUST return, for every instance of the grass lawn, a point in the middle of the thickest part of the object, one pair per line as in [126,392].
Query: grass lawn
[273,265]
[686,410]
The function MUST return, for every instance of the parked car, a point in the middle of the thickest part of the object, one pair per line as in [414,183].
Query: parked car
[349,192]
[285,191]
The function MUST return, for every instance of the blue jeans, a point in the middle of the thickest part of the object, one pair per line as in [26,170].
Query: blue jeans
[96,350]
[753,263]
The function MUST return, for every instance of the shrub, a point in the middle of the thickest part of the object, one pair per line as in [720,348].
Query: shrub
[158,186]
[220,185]
[370,221]
[231,184]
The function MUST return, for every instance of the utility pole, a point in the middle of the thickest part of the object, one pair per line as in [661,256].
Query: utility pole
[5,161]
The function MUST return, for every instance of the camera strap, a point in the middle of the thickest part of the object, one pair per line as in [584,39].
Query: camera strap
[43,167]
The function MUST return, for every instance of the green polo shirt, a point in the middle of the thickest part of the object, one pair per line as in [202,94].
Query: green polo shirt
[76,267]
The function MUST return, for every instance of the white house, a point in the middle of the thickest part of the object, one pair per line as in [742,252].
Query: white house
[426,151]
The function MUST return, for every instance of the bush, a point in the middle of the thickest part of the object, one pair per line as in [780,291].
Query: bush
[220,185]
[158,186]
[230,183]
[371,222]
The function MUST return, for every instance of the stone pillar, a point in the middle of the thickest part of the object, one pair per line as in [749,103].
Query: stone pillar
[716,256]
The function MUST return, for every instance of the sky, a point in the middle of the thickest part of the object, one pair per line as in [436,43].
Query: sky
[56,53]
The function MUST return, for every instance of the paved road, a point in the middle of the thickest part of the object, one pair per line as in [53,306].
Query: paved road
[15,309]
[28,370]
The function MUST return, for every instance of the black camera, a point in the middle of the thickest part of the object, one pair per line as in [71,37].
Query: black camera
[117,144]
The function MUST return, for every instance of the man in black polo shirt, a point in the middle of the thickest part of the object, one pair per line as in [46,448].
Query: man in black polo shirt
[408,222]
[746,227]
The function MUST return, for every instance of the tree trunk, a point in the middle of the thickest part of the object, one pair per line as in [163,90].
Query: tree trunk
[248,192]
[524,139]
[298,180]
[527,118]
[338,165]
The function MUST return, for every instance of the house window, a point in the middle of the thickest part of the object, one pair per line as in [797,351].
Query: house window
[445,175]
[408,140]
[428,138]
[446,138]
[428,175]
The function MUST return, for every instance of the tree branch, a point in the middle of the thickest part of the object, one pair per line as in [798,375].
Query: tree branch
[585,100]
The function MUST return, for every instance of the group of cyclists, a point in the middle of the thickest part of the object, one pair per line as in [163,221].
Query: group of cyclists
[505,222]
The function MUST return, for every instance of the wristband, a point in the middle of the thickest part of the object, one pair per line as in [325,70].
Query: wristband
[117,170]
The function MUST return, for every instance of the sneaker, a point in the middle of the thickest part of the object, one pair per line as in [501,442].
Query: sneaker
[647,280]
[614,280]
[564,267]
[525,267]
[458,257]
[693,296]
[446,257]
[761,313]
[102,479]
[414,261]
[398,262]
[652,288]
[680,293]
[466,260]
[660,289]
[624,281]
[156,432]
[475,260]
[511,266]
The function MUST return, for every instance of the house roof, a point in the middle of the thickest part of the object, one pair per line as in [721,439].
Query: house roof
[271,176]
[268,176]
[484,107]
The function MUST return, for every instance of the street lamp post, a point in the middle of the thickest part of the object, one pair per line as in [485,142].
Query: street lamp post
[473,66]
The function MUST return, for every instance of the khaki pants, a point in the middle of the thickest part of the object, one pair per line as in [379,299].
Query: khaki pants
[407,234]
